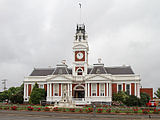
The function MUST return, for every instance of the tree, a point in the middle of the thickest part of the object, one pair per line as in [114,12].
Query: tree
[120,96]
[17,97]
[157,93]
[37,95]
[13,94]
[132,101]
[144,99]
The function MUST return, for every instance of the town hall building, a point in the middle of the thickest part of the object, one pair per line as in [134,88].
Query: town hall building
[85,84]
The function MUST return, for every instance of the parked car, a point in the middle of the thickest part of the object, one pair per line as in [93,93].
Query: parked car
[151,103]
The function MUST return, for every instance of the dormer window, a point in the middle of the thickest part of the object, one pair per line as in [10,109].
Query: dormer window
[98,71]
[79,38]
[79,71]
[60,71]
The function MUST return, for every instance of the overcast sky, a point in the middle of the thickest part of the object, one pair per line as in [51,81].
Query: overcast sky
[39,33]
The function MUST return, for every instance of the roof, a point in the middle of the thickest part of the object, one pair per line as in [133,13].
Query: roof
[97,69]
[119,70]
[42,71]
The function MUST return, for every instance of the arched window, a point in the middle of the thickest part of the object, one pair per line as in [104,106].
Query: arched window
[79,71]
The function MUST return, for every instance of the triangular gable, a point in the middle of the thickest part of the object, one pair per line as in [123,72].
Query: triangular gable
[79,46]
[59,78]
[98,77]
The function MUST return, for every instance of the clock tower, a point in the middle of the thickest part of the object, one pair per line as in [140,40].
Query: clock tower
[80,52]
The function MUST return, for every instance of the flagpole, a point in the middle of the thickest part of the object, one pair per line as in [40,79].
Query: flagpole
[80,5]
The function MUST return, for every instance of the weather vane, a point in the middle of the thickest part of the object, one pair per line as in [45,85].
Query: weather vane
[80,6]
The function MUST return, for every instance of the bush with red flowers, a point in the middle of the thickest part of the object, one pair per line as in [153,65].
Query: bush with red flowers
[72,109]
[46,109]
[38,109]
[30,108]
[135,110]
[6,108]
[55,109]
[99,110]
[89,110]
[80,110]
[145,111]
[14,108]
[108,110]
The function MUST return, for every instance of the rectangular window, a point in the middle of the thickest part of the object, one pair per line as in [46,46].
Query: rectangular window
[128,89]
[101,89]
[56,89]
[41,86]
[119,88]
[93,87]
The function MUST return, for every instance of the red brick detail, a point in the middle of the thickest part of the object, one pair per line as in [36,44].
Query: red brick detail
[124,87]
[76,59]
[132,89]
[79,67]
[87,89]
[90,89]
[114,88]
[105,89]
[29,89]
[45,87]
[97,89]
[52,89]
[149,91]
[108,90]
[59,89]
[73,85]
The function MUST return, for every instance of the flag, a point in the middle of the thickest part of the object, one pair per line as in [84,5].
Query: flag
[80,5]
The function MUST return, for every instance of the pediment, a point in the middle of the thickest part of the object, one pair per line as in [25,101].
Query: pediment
[59,78]
[98,77]
[79,46]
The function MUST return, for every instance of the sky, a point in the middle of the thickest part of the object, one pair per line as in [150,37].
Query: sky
[40,33]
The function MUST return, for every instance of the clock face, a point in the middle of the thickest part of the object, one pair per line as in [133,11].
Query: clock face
[79,55]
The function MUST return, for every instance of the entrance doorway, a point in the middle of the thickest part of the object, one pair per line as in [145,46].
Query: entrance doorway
[79,91]
[79,94]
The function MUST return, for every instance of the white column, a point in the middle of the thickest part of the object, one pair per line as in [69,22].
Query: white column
[85,90]
[68,89]
[71,90]
[138,88]
[88,90]
[50,90]
[27,90]
[135,90]
[107,89]
[47,89]
[110,90]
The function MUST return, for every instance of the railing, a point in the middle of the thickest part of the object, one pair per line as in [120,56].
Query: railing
[78,99]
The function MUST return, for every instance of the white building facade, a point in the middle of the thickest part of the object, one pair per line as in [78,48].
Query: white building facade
[85,84]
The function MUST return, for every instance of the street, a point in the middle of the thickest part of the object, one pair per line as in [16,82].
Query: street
[27,115]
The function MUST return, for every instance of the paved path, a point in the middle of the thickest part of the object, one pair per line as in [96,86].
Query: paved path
[27,115]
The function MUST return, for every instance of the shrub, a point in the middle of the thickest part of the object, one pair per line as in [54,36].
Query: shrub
[64,110]
[80,110]
[38,109]
[108,110]
[55,109]
[72,109]
[117,111]
[99,110]
[6,108]
[46,109]
[145,111]
[30,108]
[135,110]
[14,108]
[89,110]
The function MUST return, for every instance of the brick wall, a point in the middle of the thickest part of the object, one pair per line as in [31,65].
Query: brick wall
[149,91]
